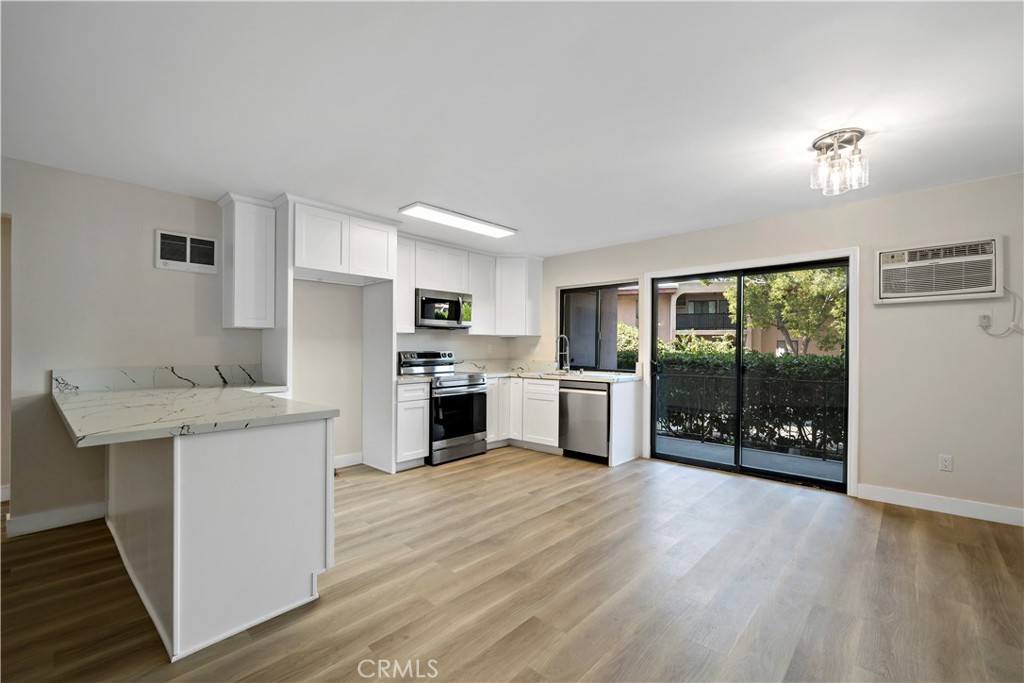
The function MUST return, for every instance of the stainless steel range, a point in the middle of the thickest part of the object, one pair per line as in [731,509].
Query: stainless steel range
[458,404]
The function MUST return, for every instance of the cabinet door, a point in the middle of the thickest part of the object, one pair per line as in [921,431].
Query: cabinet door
[510,296]
[540,412]
[413,430]
[321,239]
[429,266]
[517,295]
[455,265]
[493,404]
[372,249]
[515,408]
[441,268]
[504,408]
[405,287]
[248,269]
[481,286]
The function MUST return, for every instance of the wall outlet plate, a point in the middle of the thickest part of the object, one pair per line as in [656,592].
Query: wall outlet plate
[945,463]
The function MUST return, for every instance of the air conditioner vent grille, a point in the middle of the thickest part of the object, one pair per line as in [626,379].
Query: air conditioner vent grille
[951,251]
[939,277]
[944,271]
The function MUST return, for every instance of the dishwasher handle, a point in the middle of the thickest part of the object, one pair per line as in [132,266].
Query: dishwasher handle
[585,392]
[583,387]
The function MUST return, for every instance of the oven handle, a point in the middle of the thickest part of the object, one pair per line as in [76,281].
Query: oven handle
[454,391]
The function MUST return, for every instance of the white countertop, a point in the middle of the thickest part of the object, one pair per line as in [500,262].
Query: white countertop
[607,378]
[96,418]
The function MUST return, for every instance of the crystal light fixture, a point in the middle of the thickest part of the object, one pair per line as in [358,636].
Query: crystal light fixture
[839,166]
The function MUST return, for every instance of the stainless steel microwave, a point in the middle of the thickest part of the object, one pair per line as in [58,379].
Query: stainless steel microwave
[443,309]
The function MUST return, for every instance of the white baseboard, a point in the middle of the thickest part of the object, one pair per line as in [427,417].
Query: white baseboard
[51,519]
[954,506]
[5,493]
[347,460]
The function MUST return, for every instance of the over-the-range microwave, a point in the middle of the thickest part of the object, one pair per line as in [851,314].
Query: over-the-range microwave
[449,310]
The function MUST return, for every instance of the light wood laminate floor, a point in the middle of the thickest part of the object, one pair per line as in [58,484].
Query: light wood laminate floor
[523,566]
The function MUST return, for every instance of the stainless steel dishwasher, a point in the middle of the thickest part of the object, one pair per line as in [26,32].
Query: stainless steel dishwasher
[583,417]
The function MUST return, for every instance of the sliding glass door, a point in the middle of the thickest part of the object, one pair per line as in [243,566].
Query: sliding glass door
[750,371]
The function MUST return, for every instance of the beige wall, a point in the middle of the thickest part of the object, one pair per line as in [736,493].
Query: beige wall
[328,355]
[86,294]
[931,381]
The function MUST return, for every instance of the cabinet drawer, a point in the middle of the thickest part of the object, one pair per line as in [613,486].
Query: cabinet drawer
[540,387]
[417,391]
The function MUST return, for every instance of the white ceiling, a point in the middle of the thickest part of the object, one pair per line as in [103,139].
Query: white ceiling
[581,125]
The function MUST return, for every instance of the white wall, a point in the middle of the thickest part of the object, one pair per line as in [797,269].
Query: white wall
[328,355]
[931,381]
[86,294]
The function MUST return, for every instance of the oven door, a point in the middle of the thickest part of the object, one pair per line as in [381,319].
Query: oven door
[458,423]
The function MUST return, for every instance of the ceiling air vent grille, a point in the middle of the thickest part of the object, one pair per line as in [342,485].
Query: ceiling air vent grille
[944,271]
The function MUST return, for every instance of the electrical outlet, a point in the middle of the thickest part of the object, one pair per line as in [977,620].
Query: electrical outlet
[985,320]
[945,463]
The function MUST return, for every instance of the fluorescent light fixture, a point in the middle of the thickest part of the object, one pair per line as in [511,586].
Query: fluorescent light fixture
[452,219]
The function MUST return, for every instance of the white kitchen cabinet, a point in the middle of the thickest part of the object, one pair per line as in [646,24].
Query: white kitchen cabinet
[515,408]
[405,287]
[540,411]
[412,438]
[372,249]
[247,261]
[334,245]
[441,268]
[517,296]
[321,239]
[504,410]
[481,286]
[498,409]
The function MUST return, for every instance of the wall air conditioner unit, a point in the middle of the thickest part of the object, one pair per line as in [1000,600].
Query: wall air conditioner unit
[940,272]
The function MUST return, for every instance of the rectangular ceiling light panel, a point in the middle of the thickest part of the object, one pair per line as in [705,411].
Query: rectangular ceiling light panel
[452,219]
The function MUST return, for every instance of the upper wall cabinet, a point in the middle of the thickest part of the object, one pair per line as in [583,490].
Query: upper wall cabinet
[517,296]
[321,239]
[405,287]
[441,268]
[333,246]
[248,262]
[481,286]
[373,249]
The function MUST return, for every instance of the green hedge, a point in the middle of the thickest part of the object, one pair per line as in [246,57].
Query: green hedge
[794,404]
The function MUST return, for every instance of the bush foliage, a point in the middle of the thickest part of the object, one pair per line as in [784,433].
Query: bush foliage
[794,403]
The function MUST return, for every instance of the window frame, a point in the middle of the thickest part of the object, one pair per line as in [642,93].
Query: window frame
[563,294]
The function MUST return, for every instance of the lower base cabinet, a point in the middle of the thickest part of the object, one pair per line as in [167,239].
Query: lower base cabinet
[522,410]
[412,438]
[540,411]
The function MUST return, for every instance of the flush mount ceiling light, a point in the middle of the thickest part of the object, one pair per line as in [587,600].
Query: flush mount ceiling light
[840,166]
[455,220]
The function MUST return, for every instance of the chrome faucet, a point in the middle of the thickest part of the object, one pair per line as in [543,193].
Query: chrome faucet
[562,357]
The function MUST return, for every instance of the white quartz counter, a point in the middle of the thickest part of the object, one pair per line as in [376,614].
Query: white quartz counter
[96,418]
[607,378]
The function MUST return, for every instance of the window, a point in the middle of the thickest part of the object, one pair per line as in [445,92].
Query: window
[601,324]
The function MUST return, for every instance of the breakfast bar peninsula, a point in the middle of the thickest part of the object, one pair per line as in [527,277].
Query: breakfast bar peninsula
[220,498]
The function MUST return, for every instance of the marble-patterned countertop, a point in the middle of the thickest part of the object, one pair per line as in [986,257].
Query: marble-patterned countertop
[606,377]
[96,418]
